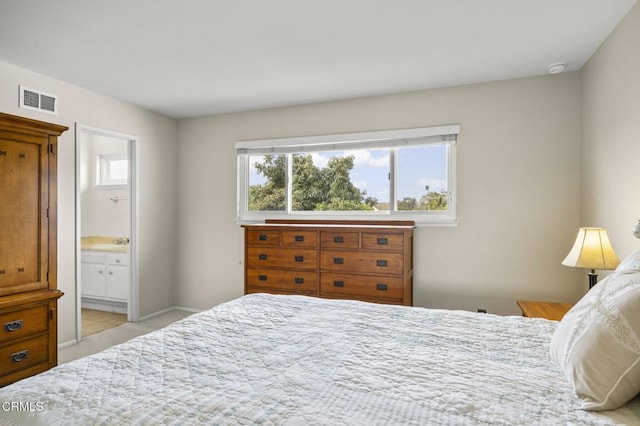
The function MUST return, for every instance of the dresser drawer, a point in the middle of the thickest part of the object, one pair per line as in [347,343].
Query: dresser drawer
[24,354]
[292,258]
[362,262]
[263,237]
[361,285]
[299,239]
[24,322]
[379,241]
[339,240]
[294,281]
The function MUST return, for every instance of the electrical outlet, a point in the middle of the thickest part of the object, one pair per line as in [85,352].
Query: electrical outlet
[482,310]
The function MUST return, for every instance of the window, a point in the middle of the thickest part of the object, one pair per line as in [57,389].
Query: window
[397,174]
[112,170]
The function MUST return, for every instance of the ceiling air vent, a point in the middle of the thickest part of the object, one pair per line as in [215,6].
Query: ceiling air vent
[37,100]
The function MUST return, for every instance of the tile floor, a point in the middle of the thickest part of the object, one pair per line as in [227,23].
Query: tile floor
[94,321]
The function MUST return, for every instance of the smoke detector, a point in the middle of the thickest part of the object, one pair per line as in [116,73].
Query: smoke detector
[557,68]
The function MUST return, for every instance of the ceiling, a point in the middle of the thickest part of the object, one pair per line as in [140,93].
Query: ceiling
[198,57]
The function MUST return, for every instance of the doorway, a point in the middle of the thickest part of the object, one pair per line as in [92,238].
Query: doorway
[106,233]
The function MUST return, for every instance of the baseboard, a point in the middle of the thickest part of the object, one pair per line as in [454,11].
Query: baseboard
[104,305]
[184,308]
[67,344]
[172,308]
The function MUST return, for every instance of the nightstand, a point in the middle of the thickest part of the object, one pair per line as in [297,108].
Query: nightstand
[547,310]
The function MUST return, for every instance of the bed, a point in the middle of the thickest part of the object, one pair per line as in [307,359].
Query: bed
[275,359]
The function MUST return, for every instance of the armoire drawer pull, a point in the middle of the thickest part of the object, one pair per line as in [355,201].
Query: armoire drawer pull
[298,258]
[381,262]
[262,256]
[19,356]
[382,241]
[298,280]
[338,260]
[338,283]
[262,237]
[299,238]
[13,325]
[381,287]
[338,239]
[262,277]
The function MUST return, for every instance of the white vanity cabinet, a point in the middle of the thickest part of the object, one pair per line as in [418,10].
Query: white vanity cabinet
[105,275]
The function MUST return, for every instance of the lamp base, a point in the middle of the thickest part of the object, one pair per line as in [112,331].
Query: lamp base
[593,279]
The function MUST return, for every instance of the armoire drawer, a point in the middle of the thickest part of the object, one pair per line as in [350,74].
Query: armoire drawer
[294,281]
[23,322]
[292,258]
[362,262]
[361,285]
[23,354]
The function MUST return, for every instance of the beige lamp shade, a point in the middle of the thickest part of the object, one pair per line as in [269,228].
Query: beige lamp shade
[592,250]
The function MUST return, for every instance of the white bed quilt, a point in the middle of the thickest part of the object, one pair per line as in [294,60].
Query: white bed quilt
[265,359]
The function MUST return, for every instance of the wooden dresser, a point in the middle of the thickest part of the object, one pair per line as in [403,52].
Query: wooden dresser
[362,260]
[28,261]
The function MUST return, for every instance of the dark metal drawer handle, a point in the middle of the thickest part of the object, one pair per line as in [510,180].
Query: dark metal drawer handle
[338,240]
[337,283]
[382,263]
[13,325]
[262,277]
[298,280]
[338,260]
[381,287]
[19,356]
[299,238]
[262,237]
[262,256]
[299,258]
[382,241]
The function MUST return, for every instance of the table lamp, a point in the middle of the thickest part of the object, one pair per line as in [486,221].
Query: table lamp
[592,250]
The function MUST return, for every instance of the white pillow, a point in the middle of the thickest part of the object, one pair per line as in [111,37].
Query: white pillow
[630,264]
[597,343]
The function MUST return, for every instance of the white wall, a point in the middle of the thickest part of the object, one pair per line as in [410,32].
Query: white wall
[611,135]
[518,190]
[101,216]
[521,197]
[157,180]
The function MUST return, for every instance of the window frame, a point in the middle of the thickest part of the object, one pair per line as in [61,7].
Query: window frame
[103,171]
[389,139]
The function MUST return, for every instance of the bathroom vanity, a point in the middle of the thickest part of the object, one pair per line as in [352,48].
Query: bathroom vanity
[106,277]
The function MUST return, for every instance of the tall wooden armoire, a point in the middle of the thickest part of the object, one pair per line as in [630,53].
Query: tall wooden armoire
[28,259]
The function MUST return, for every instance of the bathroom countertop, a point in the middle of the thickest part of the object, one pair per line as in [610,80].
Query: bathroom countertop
[99,243]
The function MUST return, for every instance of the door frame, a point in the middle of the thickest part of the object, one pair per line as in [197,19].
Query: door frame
[133,305]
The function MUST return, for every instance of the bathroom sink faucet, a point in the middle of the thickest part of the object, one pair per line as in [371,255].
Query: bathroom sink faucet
[120,241]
